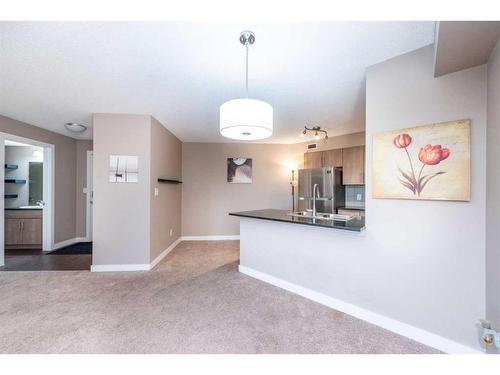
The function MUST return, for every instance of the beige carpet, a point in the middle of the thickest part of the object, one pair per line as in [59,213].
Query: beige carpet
[194,301]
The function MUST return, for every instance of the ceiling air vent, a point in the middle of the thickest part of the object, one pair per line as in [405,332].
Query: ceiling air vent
[312,146]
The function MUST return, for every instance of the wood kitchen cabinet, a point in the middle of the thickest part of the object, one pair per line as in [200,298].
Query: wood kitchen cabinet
[332,158]
[351,159]
[353,165]
[313,160]
[318,159]
[23,229]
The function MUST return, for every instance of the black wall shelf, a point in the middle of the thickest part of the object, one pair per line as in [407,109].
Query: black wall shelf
[11,166]
[14,181]
[10,196]
[167,181]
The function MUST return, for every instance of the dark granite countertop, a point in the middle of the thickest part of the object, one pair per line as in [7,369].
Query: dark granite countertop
[356,224]
[351,208]
[24,209]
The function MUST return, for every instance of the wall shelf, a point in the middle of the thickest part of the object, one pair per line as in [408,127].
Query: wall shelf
[167,181]
[14,181]
[10,196]
[11,166]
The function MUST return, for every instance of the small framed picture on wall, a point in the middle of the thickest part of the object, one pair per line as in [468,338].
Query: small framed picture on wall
[123,168]
[239,170]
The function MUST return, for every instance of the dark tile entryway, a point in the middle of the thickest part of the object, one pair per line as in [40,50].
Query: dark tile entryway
[76,257]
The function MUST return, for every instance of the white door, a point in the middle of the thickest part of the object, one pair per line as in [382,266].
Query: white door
[90,194]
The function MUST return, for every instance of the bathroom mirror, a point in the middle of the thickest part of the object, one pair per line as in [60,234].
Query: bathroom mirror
[35,182]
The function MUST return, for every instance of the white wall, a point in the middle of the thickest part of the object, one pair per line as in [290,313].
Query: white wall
[493,192]
[430,254]
[82,146]
[418,262]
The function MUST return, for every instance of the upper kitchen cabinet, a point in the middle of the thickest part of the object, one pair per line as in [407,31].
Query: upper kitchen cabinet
[353,163]
[351,159]
[318,159]
[332,158]
[313,160]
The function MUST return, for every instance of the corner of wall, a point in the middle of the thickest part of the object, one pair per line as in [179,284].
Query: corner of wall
[492,277]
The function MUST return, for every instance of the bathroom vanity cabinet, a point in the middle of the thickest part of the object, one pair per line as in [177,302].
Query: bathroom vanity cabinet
[23,229]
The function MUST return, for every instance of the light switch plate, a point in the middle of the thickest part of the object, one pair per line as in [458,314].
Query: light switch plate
[157,192]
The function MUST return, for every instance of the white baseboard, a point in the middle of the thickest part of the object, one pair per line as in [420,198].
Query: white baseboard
[134,267]
[211,238]
[403,329]
[67,242]
[119,267]
[164,253]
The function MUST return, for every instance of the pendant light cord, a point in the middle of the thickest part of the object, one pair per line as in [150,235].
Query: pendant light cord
[246,45]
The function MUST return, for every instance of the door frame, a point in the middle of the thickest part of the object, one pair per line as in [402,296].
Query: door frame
[48,191]
[89,196]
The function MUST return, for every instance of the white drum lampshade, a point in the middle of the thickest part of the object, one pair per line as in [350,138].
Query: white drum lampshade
[246,119]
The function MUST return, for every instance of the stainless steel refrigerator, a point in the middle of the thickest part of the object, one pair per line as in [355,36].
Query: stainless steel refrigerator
[331,190]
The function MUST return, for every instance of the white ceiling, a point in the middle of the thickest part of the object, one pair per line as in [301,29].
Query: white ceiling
[311,73]
[464,44]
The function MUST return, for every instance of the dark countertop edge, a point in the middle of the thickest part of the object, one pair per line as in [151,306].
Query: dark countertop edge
[350,229]
[23,209]
[351,208]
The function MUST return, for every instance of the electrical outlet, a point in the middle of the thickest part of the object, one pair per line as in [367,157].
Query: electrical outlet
[171,232]
[157,192]
[489,336]
[358,197]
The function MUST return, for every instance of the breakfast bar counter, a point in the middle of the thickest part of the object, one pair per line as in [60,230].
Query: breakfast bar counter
[356,224]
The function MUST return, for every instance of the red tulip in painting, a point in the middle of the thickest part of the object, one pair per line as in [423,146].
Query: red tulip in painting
[428,155]
[432,155]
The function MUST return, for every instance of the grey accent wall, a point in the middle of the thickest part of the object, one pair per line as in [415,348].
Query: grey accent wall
[165,214]
[207,197]
[428,256]
[121,210]
[82,146]
[131,225]
[493,191]
[65,173]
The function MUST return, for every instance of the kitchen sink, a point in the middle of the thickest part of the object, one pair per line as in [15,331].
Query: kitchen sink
[321,216]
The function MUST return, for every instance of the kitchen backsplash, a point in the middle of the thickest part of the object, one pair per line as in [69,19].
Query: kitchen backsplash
[352,193]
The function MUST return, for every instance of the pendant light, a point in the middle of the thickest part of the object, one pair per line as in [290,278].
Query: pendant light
[246,119]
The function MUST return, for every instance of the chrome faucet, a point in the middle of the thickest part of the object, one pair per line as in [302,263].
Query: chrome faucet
[315,188]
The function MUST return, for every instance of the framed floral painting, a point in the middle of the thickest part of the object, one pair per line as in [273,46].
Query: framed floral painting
[424,162]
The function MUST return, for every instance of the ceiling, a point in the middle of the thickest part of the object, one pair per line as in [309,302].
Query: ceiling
[464,44]
[311,73]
